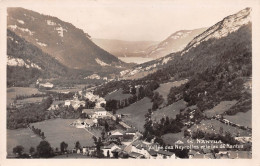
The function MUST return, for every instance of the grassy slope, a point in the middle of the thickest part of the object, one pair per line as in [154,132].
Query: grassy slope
[244,119]
[58,130]
[17,91]
[171,111]
[164,89]
[220,108]
[136,113]
[117,95]
[24,137]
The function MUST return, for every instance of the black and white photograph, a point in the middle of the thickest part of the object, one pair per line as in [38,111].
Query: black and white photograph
[128,80]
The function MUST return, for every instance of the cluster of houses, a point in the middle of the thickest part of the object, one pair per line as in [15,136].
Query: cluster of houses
[95,76]
[76,102]
[131,147]
[44,85]
[92,116]
[94,98]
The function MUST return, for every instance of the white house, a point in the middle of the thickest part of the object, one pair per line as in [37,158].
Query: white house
[141,148]
[117,132]
[74,103]
[108,149]
[100,112]
[83,123]
[161,154]
[46,85]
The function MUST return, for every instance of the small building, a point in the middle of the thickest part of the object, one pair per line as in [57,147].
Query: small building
[46,85]
[114,138]
[130,131]
[116,132]
[107,150]
[89,112]
[135,155]
[83,123]
[55,105]
[100,112]
[161,154]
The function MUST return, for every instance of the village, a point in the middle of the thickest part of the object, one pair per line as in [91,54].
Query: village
[124,141]
[117,139]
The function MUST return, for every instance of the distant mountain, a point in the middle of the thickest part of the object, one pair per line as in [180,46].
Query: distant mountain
[174,43]
[26,62]
[69,45]
[223,28]
[122,48]
[203,51]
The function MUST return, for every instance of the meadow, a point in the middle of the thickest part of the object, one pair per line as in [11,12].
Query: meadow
[220,108]
[20,91]
[24,137]
[164,89]
[58,130]
[241,118]
[117,95]
[171,111]
[135,113]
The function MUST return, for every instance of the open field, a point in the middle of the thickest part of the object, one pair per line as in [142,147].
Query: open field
[24,137]
[136,113]
[220,108]
[171,111]
[164,89]
[241,118]
[18,91]
[117,95]
[58,130]
[30,100]
[213,126]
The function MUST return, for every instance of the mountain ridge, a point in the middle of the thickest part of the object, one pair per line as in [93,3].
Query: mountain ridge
[173,43]
[55,37]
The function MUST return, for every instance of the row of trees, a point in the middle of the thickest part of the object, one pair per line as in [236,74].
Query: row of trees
[43,150]
[38,132]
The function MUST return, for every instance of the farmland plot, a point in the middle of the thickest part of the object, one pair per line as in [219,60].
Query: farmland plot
[58,130]
[135,113]
[241,118]
[19,91]
[220,108]
[24,137]
[171,111]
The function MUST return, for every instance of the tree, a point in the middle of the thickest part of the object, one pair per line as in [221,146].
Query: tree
[133,90]
[221,131]
[44,149]
[77,145]
[108,154]
[106,126]
[63,147]
[32,150]
[18,150]
[103,134]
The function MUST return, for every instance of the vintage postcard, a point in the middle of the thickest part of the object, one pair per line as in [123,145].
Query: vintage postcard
[126,80]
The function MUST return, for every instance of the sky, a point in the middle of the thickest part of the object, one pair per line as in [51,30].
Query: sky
[139,20]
